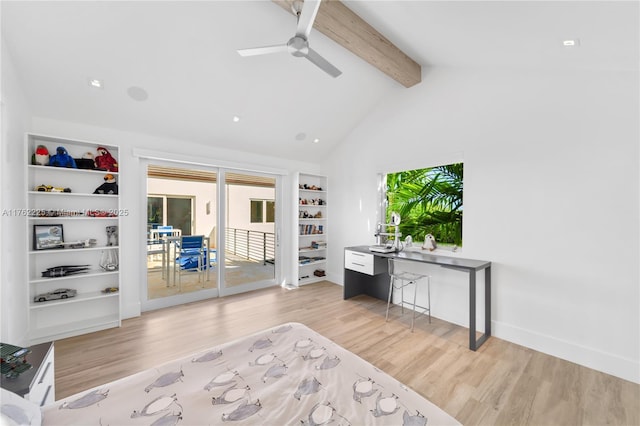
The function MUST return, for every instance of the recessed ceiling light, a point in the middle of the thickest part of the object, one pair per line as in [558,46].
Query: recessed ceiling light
[301,136]
[573,42]
[236,118]
[94,82]
[137,93]
[316,140]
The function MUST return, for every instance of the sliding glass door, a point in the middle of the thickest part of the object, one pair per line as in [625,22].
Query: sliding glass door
[236,215]
[179,204]
[250,224]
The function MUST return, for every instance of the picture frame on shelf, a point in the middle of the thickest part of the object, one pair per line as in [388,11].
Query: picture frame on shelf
[46,237]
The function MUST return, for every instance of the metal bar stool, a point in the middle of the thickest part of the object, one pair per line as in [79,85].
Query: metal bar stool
[404,279]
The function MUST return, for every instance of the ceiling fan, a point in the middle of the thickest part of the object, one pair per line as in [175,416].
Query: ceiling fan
[298,45]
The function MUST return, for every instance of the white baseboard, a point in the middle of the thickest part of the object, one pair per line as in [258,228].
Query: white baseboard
[625,368]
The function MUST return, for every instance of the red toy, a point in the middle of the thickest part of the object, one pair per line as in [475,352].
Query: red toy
[104,160]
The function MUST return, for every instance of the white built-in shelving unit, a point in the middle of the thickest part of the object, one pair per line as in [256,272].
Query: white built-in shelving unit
[91,309]
[312,228]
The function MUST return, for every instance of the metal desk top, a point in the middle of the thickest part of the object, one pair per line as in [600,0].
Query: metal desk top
[426,257]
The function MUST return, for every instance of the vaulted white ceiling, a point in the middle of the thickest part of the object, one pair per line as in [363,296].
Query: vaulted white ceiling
[183,54]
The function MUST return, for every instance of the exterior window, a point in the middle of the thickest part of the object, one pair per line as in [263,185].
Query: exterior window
[256,211]
[261,209]
[155,211]
[177,211]
[271,211]
[429,201]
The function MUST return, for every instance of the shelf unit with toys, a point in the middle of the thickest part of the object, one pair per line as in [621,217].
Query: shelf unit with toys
[312,228]
[72,219]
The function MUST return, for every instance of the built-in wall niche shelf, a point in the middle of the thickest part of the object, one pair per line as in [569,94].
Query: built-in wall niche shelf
[67,170]
[66,251]
[71,194]
[309,279]
[79,298]
[82,215]
[74,328]
[313,262]
[311,250]
[312,227]
[91,274]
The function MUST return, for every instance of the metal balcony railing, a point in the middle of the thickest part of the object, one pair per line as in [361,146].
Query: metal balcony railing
[251,245]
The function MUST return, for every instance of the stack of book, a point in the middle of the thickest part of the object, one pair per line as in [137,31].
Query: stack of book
[318,245]
[303,260]
[311,229]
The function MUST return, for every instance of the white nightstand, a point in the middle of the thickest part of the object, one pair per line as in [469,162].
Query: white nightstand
[37,384]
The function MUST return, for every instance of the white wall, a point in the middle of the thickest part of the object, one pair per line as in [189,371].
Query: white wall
[551,198]
[239,206]
[14,122]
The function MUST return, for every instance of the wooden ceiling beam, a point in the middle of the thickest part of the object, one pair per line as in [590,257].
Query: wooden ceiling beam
[342,25]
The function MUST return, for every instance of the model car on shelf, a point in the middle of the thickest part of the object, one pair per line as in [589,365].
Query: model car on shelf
[61,293]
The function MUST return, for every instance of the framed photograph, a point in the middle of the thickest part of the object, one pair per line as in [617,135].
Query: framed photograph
[47,237]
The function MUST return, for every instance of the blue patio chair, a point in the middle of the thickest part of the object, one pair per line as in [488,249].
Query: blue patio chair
[165,231]
[191,256]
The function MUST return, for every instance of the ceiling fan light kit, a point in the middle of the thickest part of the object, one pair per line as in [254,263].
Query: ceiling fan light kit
[298,45]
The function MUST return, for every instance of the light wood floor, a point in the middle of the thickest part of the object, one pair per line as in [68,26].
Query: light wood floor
[500,384]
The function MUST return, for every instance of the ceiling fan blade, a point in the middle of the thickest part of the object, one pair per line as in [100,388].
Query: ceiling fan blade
[306,18]
[263,50]
[321,62]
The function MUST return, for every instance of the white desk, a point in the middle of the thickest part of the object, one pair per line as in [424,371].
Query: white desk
[368,275]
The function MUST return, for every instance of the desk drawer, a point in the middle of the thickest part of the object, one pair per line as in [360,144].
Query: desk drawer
[359,262]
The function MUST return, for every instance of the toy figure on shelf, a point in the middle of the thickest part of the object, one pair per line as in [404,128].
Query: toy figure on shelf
[62,159]
[41,156]
[109,186]
[105,161]
[86,162]
[429,243]
[49,188]
[112,235]
[311,187]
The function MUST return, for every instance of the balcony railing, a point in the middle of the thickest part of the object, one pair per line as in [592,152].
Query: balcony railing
[251,245]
